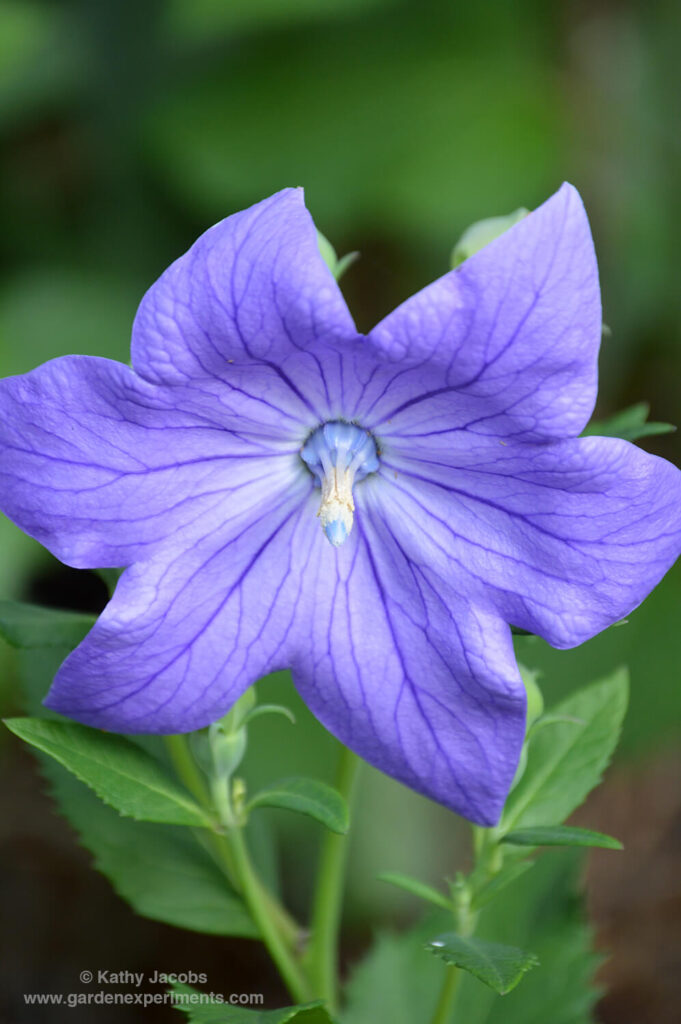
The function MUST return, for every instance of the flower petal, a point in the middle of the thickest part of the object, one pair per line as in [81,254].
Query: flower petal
[563,539]
[505,344]
[185,634]
[102,468]
[253,291]
[419,681]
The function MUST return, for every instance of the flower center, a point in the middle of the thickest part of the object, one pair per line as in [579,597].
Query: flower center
[339,454]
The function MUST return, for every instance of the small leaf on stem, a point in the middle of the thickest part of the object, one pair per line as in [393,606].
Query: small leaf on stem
[500,967]
[508,874]
[560,835]
[416,888]
[307,796]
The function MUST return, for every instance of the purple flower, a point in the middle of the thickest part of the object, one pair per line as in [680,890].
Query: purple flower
[456,496]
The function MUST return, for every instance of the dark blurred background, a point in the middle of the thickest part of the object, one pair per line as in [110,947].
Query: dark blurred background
[126,129]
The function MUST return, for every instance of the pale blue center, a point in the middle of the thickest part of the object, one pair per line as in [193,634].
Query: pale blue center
[339,454]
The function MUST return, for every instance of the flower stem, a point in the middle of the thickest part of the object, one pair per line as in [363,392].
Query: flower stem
[252,891]
[465,920]
[322,955]
[221,847]
[187,768]
[448,993]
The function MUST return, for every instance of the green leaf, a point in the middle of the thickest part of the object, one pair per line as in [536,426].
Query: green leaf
[508,874]
[630,424]
[307,796]
[398,982]
[552,719]
[560,835]
[223,1013]
[535,698]
[416,888]
[160,870]
[566,759]
[29,626]
[121,773]
[500,967]
[543,911]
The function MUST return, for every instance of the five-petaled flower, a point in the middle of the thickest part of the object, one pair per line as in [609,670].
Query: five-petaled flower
[456,496]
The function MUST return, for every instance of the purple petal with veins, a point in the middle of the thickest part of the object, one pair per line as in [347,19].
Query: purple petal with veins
[443,446]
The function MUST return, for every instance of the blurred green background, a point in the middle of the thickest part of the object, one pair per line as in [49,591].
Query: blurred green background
[129,127]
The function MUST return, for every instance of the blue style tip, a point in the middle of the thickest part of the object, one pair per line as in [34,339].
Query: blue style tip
[336,532]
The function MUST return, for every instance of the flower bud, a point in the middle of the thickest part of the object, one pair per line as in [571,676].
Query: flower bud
[535,699]
[227,749]
[480,234]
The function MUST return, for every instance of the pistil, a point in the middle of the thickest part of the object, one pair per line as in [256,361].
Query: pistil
[339,454]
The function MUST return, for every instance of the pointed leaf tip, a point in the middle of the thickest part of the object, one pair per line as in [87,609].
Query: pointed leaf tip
[121,773]
[500,967]
[561,835]
[416,888]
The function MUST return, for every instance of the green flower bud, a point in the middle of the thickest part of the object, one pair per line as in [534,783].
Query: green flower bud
[480,234]
[522,765]
[227,750]
[330,257]
[239,712]
[535,700]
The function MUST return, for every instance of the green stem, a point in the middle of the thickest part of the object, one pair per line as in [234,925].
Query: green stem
[448,993]
[221,846]
[322,955]
[277,947]
[187,768]
[189,772]
[465,920]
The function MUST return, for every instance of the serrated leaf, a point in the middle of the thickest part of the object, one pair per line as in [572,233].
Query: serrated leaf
[500,967]
[398,982]
[630,424]
[223,1013]
[160,870]
[560,835]
[307,796]
[545,912]
[121,773]
[416,888]
[31,626]
[566,760]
